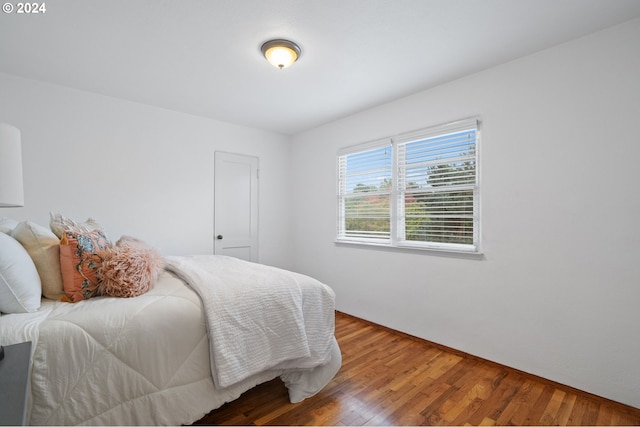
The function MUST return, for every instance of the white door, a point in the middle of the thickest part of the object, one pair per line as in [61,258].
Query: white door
[236,206]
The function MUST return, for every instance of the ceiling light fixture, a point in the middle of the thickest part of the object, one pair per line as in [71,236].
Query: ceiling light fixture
[281,53]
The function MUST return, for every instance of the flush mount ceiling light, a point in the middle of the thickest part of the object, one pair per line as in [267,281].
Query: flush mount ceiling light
[281,53]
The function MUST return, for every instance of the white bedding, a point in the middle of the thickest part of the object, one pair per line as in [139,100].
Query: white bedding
[256,316]
[144,360]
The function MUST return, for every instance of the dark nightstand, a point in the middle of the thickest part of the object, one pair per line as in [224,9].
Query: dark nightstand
[14,383]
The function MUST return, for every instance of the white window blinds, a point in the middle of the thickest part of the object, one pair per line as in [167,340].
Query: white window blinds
[437,187]
[416,190]
[364,192]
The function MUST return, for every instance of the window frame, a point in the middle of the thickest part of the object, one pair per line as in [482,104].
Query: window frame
[397,238]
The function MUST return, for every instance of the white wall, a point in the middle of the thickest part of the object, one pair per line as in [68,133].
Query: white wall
[558,289]
[138,170]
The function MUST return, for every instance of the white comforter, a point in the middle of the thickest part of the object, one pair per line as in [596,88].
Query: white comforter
[259,317]
[147,360]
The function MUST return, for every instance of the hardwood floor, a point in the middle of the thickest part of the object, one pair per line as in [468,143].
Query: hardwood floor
[389,378]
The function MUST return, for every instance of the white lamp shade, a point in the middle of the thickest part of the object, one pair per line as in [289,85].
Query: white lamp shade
[11,190]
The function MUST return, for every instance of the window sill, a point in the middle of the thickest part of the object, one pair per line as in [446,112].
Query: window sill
[412,249]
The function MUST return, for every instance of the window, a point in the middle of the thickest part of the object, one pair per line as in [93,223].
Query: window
[417,190]
[365,193]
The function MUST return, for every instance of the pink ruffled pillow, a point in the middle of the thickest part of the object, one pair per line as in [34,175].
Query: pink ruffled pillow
[128,269]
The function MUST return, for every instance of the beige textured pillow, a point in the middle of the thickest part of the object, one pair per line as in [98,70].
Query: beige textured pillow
[60,223]
[44,249]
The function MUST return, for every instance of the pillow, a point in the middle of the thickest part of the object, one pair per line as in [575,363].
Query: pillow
[20,288]
[44,248]
[7,225]
[59,224]
[79,261]
[129,268]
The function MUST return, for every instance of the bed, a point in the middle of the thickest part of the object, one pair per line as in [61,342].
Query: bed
[210,328]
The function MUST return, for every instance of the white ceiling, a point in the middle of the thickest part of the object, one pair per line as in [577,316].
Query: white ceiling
[203,56]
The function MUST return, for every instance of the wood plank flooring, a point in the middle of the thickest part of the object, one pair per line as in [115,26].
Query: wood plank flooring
[389,378]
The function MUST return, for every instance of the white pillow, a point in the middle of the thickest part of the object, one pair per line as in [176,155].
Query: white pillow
[20,288]
[44,249]
[7,224]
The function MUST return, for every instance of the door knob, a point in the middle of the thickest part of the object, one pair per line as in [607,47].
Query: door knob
[219,237]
